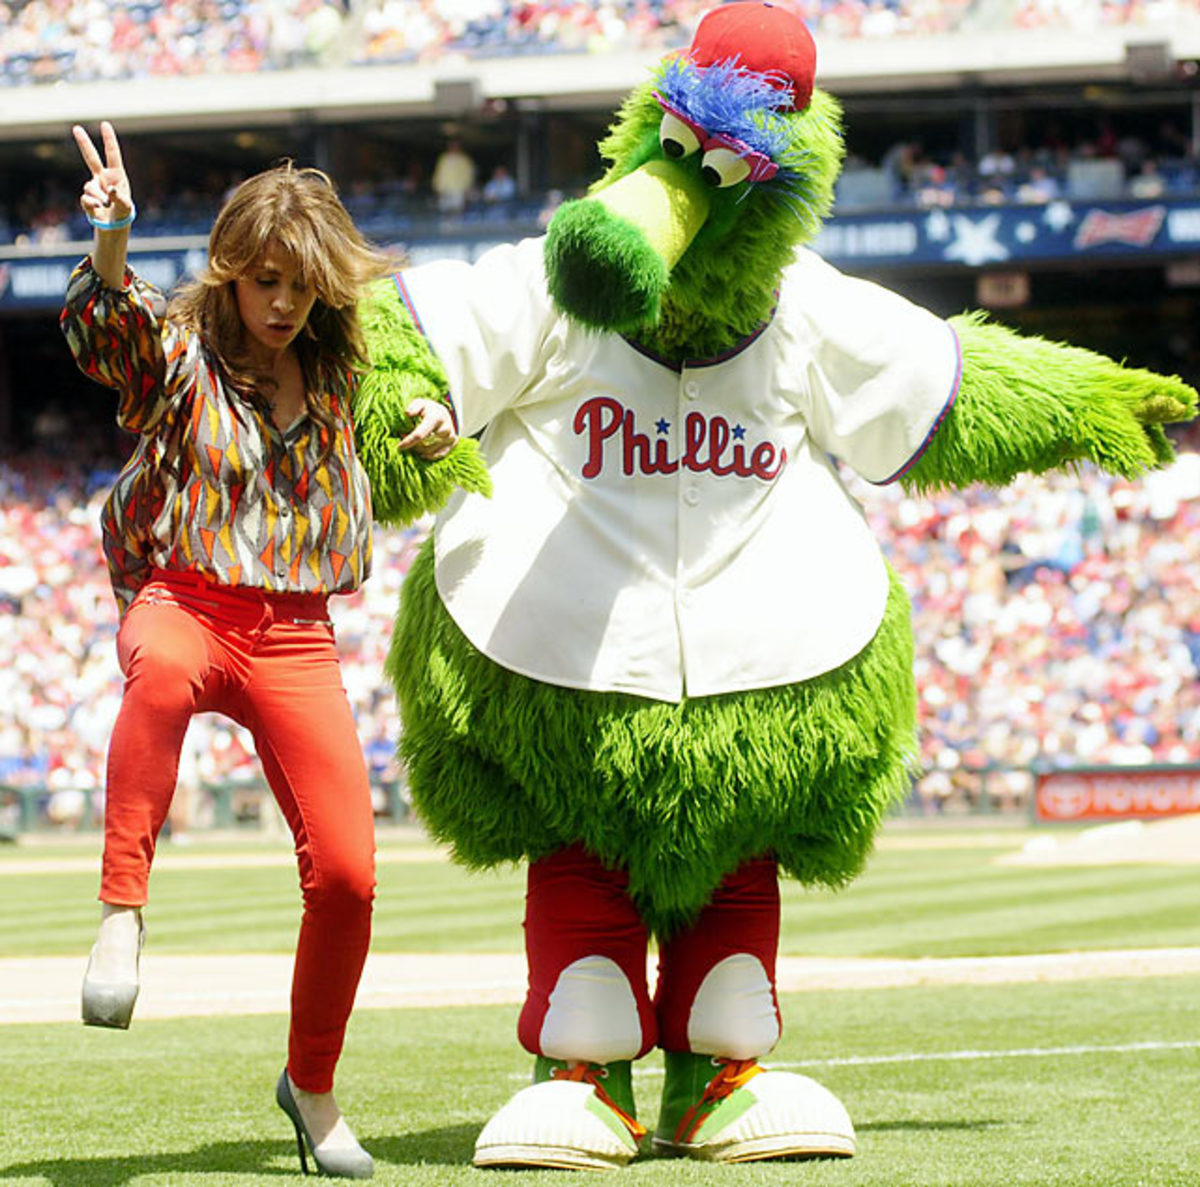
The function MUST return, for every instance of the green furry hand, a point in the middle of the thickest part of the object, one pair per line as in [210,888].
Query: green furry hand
[1164,408]
[405,486]
[1028,405]
[1128,439]
[602,271]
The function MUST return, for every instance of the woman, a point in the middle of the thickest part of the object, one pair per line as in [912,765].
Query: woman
[241,510]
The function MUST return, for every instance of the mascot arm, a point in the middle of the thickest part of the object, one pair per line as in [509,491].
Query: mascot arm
[1029,405]
[403,367]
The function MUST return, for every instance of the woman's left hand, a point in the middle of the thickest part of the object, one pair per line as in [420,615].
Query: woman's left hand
[434,435]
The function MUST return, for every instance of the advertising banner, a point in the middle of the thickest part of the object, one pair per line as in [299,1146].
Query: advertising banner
[1002,238]
[38,283]
[980,237]
[1116,793]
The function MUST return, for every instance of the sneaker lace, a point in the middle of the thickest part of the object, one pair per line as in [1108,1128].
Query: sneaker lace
[593,1074]
[731,1075]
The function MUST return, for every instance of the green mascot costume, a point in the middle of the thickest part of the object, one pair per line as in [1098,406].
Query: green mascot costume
[663,659]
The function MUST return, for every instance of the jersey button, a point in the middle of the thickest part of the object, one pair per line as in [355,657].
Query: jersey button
[691,496]
[691,390]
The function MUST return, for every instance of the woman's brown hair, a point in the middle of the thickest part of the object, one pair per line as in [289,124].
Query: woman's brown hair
[298,211]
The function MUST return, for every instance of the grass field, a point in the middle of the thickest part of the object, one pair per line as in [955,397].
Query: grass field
[1089,1083]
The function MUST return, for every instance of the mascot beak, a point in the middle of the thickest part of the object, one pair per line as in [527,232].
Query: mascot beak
[609,256]
[666,203]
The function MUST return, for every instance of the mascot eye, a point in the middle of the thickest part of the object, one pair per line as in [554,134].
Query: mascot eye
[722,167]
[676,138]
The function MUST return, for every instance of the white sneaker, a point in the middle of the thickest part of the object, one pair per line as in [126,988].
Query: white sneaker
[758,1114]
[557,1123]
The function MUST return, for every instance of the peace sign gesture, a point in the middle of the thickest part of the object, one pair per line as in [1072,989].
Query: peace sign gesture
[106,196]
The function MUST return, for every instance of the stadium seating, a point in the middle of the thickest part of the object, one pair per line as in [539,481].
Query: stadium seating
[1057,622]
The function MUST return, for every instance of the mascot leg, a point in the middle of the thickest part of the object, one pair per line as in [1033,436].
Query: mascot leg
[717,1014]
[586,1017]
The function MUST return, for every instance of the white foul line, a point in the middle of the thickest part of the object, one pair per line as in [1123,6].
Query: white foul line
[651,1071]
[1010,1053]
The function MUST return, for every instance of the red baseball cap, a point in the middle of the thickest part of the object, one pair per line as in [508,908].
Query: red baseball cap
[764,38]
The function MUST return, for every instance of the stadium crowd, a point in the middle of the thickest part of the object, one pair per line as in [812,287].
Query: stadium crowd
[53,41]
[1099,167]
[1057,623]
[48,41]
[60,687]
[87,40]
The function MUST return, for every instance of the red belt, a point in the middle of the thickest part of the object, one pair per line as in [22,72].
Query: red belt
[196,592]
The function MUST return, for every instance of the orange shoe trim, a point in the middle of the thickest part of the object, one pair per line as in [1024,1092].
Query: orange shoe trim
[733,1074]
[590,1073]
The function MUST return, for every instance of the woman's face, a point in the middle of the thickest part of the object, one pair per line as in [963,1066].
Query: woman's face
[274,303]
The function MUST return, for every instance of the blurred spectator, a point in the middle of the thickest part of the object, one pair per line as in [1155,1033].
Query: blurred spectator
[554,199]
[453,179]
[997,165]
[1148,182]
[500,187]
[936,187]
[1038,187]
[397,31]
[900,163]
[322,31]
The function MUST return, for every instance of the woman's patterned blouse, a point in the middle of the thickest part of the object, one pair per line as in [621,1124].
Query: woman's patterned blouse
[244,503]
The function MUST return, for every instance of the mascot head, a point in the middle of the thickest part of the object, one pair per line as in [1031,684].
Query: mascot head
[719,167]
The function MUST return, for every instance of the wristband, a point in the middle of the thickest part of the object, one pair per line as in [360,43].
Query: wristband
[114,226]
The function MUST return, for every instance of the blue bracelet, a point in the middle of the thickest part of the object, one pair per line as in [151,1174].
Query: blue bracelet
[121,222]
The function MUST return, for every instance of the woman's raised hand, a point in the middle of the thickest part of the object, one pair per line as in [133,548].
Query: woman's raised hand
[106,197]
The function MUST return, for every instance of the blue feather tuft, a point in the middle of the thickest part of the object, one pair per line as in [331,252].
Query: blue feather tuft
[746,105]
[727,98]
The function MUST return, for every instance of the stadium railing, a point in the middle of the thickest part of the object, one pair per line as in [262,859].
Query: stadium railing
[1084,794]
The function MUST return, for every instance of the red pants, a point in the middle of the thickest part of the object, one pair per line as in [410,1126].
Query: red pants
[579,914]
[269,662]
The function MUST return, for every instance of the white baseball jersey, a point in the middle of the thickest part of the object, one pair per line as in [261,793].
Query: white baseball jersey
[667,530]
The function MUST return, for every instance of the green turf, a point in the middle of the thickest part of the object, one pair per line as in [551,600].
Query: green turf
[923,897]
[959,902]
[1089,1084]
[1080,1084]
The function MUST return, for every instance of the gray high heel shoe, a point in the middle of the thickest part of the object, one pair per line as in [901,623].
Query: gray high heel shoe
[109,1002]
[354,1163]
